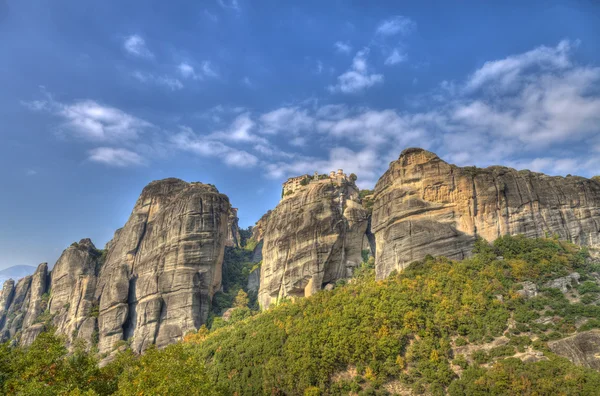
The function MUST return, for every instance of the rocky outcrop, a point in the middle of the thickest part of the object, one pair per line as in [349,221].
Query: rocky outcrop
[152,284]
[258,235]
[163,266]
[423,205]
[18,308]
[582,349]
[73,304]
[313,237]
[6,298]
[37,304]
[233,230]
[565,283]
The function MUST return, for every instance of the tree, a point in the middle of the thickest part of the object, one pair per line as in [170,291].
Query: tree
[241,300]
[353,177]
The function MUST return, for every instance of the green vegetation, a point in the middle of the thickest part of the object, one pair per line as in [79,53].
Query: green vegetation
[359,337]
[366,197]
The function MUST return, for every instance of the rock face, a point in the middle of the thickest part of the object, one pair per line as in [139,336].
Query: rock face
[423,205]
[163,266]
[313,237]
[582,349]
[73,304]
[564,283]
[21,305]
[233,230]
[258,236]
[152,284]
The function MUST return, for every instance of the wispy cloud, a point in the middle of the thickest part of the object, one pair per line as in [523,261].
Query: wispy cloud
[117,157]
[136,45]
[187,140]
[230,5]
[206,70]
[286,119]
[343,47]
[172,83]
[358,77]
[93,121]
[396,25]
[505,73]
[211,16]
[395,57]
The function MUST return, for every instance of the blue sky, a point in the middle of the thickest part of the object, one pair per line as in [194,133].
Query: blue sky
[99,98]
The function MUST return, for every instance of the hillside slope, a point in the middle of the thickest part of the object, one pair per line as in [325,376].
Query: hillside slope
[476,326]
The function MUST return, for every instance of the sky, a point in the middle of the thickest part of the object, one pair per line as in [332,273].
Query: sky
[97,99]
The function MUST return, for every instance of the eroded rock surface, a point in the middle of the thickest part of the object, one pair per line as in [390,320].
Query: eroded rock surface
[73,304]
[582,349]
[423,205]
[313,237]
[163,266]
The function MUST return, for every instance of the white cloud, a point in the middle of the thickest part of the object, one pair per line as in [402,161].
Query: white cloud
[286,119]
[319,67]
[92,121]
[395,57]
[136,46]
[230,4]
[247,82]
[173,84]
[357,78]
[187,140]
[188,71]
[31,172]
[343,47]
[506,72]
[396,25]
[211,16]
[240,130]
[208,70]
[118,157]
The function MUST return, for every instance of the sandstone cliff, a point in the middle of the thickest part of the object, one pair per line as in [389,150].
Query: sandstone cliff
[152,284]
[312,238]
[22,304]
[164,266]
[73,305]
[423,205]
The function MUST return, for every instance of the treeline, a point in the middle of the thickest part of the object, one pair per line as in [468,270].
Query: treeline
[365,337]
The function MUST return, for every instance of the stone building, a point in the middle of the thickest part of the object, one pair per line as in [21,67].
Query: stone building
[293,184]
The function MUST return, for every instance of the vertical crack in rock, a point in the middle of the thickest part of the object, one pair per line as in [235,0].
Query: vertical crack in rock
[130,320]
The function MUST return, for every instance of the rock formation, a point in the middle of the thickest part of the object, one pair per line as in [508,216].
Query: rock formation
[153,283]
[233,230]
[163,267]
[73,305]
[258,236]
[582,349]
[21,305]
[313,237]
[423,205]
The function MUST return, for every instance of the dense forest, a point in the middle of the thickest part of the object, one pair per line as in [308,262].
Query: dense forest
[432,329]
